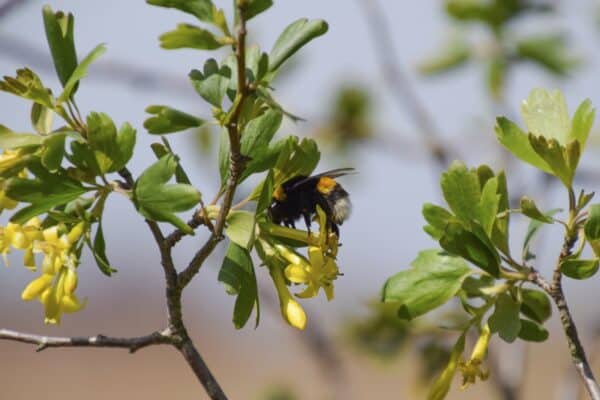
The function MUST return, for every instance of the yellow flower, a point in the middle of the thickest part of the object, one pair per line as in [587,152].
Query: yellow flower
[291,310]
[472,369]
[6,203]
[22,236]
[319,272]
[56,249]
[9,159]
[56,293]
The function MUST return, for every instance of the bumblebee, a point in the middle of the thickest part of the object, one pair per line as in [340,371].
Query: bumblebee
[300,195]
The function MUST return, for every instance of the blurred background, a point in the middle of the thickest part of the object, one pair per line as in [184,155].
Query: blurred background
[394,89]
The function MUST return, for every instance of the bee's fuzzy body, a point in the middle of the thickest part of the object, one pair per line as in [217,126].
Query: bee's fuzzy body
[299,196]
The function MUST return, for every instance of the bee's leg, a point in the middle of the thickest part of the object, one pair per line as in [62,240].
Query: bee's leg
[307,221]
[292,224]
[335,229]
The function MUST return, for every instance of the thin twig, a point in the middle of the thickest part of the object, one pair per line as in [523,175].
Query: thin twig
[555,291]
[181,338]
[9,6]
[133,344]
[237,160]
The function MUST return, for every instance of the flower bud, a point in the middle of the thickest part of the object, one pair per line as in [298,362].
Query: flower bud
[37,287]
[76,232]
[70,281]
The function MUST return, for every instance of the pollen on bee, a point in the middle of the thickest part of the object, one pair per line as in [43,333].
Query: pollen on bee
[326,185]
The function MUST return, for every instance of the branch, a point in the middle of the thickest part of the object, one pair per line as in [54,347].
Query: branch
[237,160]
[9,6]
[399,83]
[132,344]
[179,337]
[555,291]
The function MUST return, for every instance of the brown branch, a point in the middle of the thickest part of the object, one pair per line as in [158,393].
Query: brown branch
[180,337]
[237,160]
[555,291]
[133,344]
[399,83]
[9,6]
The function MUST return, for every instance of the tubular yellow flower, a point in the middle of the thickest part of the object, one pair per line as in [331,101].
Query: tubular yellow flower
[6,203]
[291,310]
[319,273]
[76,232]
[471,369]
[37,287]
[59,298]
[9,159]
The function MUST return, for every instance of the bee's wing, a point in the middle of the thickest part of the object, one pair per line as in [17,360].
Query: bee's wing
[334,173]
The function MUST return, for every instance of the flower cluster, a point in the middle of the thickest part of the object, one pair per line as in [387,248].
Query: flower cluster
[287,266]
[55,287]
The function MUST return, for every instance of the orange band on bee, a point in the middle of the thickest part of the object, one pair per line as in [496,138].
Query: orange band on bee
[326,185]
[279,194]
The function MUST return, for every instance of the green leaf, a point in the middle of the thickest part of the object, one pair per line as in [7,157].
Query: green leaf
[517,142]
[191,37]
[579,269]
[256,136]
[562,160]
[500,232]
[545,114]
[505,319]
[496,70]
[488,205]
[44,192]
[434,279]
[169,120]
[80,72]
[201,9]
[41,118]
[54,151]
[266,196]
[591,228]
[257,63]
[536,305]
[440,388]
[254,7]
[461,191]
[532,331]
[159,201]
[452,55]
[160,150]
[125,144]
[532,230]
[99,251]
[237,273]
[212,83]
[13,140]
[549,51]
[472,247]
[293,38]
[582,122]
[294,158]
[28,86]
[59,33]
[110,150]
[240,228]
[223,156]
[265,96]
[437,217]
[529,208]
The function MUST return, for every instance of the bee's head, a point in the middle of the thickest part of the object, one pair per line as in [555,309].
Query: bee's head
[275,212]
